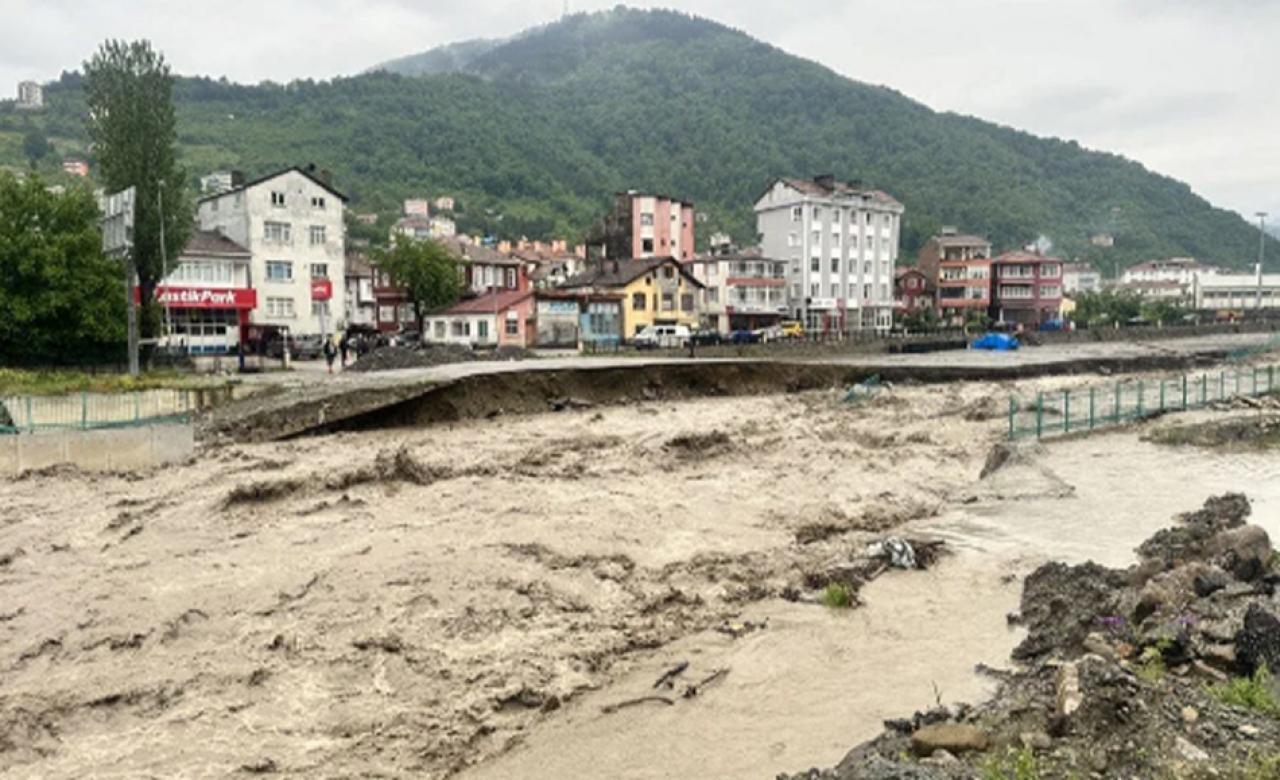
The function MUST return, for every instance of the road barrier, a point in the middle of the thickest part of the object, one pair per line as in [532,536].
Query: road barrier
[87,411]
[1085,409]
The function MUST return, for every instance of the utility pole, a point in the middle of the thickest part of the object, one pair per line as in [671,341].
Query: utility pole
[164,271]
[1262,248]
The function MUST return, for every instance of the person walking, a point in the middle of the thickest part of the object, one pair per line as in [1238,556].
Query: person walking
[330,352]
[344,347]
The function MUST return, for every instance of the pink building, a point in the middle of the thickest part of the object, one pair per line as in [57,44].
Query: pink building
[643,225]
[498,318]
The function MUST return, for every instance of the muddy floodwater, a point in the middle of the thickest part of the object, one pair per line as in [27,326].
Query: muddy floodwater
[477,600]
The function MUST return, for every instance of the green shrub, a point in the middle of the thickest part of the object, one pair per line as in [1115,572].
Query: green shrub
[1250,693]
[838,595]
[1013,765]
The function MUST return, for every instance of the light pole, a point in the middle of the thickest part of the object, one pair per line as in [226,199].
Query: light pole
[1262,248]
[164,271]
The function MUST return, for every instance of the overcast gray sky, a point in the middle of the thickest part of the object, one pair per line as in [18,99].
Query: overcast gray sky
[1188,87]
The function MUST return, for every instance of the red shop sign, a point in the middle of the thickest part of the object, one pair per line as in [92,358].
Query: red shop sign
[321,289]
[203,297]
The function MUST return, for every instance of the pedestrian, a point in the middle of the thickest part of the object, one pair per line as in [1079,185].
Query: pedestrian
[344,347]
[330,352]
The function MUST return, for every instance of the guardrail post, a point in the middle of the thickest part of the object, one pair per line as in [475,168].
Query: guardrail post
[84,409]
[137,407]
[1039,414]
[1255,380]
[1184,392]
[1222,385]
[1162,394]
[1066,411]
[1091,404]
[31,420]
[1204,389]
[1141,393]
[1013,410]
[1115,409]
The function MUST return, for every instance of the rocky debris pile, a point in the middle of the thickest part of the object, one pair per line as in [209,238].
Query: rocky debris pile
[1238,434]
[1159,670]
[425,355]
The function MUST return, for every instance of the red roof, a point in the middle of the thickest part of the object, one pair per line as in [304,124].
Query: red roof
[487,303]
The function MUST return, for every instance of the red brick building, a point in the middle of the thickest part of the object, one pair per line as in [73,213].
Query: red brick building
[643,226]
[911,290]
[959,269]
[1026,289]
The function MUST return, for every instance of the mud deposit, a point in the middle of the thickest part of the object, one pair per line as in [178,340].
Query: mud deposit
[407,604]
[1252,432]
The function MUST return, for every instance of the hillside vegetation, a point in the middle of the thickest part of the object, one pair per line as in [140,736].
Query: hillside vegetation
[534,133]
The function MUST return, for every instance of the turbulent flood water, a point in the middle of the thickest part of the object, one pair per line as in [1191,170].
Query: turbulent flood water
[816,683]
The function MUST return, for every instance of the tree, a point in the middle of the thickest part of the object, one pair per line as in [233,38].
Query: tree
[129,91]
[1163,310]
[425,270]
[62,300]
[1106,307]
[921,320]
[35,146]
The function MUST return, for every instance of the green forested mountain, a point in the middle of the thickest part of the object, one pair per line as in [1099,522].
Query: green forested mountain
[534,133]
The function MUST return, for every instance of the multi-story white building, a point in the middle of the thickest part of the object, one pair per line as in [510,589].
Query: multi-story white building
[1236,292]
[30,95]
[841,244]
[291,222]
[1080,278]
[1175,278]
[743,291]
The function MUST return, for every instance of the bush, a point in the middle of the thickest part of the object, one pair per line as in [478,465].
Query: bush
[1250,693]
[838,595]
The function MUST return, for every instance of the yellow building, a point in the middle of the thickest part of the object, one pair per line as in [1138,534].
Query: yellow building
[655,291]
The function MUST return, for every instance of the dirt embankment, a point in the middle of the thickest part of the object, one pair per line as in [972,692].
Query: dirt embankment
[1160,670]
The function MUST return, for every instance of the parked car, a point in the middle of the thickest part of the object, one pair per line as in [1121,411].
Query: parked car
[744,337]
[662,337]
[771,333]
[307,347]
[706,338]
[791,329]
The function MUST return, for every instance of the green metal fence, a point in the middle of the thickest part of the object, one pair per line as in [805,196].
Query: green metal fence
[93,410]
[1084,409]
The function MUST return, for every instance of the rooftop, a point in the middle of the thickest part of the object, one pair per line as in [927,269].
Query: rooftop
[826,187]
[619,273]
[487,303]
[211,242]
[308,172]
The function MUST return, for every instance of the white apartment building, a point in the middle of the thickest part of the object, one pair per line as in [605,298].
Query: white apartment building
[30,95]
[291,222]
[840,241]
[743,291]
[1080,278]
[1224,291]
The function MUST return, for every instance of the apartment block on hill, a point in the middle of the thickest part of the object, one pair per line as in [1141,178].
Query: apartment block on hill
[840,241]
[1027,289]
[744,291]
[958,265]
[644,225]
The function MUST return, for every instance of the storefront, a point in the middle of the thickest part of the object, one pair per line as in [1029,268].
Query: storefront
[206,320]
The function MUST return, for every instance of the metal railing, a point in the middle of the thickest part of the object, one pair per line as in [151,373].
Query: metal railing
[1085,409]
[94,410]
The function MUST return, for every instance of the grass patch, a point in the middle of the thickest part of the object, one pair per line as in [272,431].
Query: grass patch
[1151,666]
[1250,693]
[1013,765]
[14,381]
[838,595]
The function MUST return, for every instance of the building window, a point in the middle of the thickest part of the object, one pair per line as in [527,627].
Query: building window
[278,232]
[319,270]
[319,308]
[511,278]
[668,301]
[853,242]
[797,213]
[835,291]
[795,290]
[686,302]
[279,271]
[646,219]
[713,294]
[277,199]
[386,314]
[668,272]
[817,238]
[317,202]
[866,291]
[646,245]
[482,330]
[280,307]
[815,264]
[835,239]
[817,213]
[835,265]
[461,328]
[1049,270]
[1050,291]
[439,329]
[513,324]
[835,216]
[793,239]
[637,301]
[815,290]
[317,235]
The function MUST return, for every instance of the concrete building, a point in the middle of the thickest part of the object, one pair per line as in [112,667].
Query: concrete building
[654,291]
[577,319]
[443,227]
[841,243]
[744,291]
[642,226]
[76,168]
[444,203]
[1229,293]
[1080,278]
[1027,289]
[912,291]
[209,294]
[417,207]
[499,318]
[359,301]
[30,96]
[219,182]
[958,266]
[291,222]
[1183,270]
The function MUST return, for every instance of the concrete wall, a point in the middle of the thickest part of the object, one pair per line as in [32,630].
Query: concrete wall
[112,449]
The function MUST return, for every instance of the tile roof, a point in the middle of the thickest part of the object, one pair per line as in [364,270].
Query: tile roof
[309,174]
[1023,256]
[487,303]
[211,242]
[814,187]
[961,240]
[619,273]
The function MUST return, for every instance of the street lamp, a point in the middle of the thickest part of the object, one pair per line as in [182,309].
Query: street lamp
[1262,248]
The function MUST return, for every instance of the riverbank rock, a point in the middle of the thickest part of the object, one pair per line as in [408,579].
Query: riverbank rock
[955,738]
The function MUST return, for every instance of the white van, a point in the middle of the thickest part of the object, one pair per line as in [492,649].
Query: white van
[662,337]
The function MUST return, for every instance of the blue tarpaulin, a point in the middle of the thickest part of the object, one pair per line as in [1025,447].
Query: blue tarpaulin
[1000,342]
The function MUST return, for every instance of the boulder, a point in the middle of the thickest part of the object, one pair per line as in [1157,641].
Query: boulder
[1258,641]
[1244,551]
[954,738]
